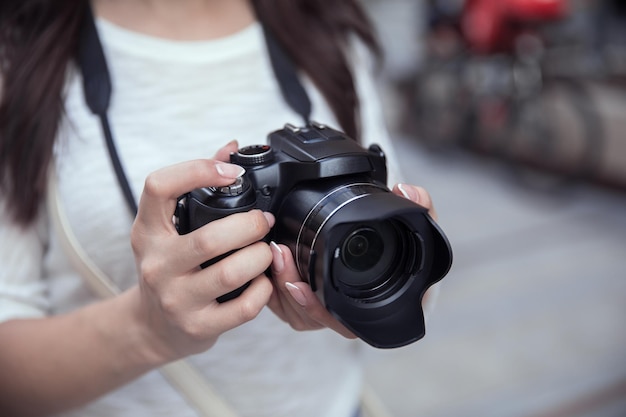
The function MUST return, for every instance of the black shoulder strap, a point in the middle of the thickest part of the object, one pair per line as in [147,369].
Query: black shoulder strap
[285,71]
[98,88]
[92,63]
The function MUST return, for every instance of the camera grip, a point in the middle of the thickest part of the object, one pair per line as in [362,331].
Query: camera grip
[204,205]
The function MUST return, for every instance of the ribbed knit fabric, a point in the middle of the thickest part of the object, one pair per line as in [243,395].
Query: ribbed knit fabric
[175,101]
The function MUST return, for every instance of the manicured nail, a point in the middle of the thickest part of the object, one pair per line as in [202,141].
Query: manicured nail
[227,170]
[404,192]
[296,293]
[278,263]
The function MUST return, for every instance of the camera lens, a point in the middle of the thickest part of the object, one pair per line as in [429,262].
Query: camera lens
[350,237]
[362,249]
[368,255]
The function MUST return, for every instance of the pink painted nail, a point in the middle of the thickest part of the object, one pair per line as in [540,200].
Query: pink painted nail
[278,263]
[296,293]
[227,170]
[405,193]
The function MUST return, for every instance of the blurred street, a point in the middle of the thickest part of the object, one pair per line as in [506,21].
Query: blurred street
[530,321]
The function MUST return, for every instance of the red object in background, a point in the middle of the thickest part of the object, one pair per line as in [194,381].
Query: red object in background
[535,10]
[492,25]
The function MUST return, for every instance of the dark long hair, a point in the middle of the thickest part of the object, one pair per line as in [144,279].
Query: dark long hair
[38,39]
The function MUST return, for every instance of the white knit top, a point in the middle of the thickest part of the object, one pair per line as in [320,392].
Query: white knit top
[176,101]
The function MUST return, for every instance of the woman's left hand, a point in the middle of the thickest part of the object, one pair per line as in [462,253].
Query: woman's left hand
[294,301]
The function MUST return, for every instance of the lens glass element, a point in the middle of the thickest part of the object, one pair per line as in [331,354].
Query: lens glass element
[367,255]
[362,249]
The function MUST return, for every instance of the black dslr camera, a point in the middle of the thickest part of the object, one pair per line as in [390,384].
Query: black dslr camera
[368,254]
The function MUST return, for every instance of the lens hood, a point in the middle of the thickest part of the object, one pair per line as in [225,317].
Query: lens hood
[385,308]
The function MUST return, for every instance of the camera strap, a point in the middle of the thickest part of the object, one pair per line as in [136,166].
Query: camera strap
[97,87]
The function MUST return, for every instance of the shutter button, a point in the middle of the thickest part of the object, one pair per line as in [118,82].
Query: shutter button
[233,189]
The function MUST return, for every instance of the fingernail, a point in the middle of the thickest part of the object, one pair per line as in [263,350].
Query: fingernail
[270,218]
[277,263]
[404,191]
[229,170]
[296,293]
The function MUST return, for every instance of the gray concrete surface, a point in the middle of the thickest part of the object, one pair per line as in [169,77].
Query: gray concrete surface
[531,320]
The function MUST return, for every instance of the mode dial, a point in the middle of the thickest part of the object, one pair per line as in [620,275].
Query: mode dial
[252,155]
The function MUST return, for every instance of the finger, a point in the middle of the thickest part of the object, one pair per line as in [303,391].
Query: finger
[277,302]
[230,273]
[179,293]
[418,195]
[224,153]
[219,318]
[221,236]
[163,187]
[299,297]
[282,302]
[313,308]
[282,305]
[174,255]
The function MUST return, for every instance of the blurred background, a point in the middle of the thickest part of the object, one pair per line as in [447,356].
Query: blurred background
[512,114]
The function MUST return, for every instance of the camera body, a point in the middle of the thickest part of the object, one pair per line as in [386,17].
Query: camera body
[368,254]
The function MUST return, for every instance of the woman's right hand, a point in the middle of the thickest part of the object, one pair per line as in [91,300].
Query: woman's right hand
[68,359]
[177,299]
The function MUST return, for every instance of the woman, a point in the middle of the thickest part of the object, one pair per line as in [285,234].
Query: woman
[187,77]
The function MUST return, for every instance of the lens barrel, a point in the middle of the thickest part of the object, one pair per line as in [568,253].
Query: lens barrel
[369,255]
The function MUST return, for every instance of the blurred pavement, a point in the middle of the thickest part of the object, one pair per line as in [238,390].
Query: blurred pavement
[531,320]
